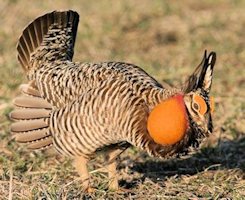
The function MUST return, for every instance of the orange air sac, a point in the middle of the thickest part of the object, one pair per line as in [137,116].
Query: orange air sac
[167,123]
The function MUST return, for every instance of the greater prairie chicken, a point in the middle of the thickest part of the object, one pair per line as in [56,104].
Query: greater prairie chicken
[81,108]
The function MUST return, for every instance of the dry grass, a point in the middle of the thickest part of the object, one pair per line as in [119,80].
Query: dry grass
[167,39]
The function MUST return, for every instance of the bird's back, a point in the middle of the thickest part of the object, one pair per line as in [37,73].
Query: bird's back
[62,82]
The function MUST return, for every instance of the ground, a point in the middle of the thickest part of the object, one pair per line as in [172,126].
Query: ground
[167,39]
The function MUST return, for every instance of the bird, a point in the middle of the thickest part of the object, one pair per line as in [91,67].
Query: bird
[80,109]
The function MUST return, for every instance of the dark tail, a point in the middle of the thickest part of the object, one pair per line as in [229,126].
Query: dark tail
[51,36]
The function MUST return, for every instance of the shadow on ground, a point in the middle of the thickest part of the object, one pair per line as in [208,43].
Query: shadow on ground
[226,155]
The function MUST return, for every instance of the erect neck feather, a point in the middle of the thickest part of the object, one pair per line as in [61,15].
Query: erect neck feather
[168,121]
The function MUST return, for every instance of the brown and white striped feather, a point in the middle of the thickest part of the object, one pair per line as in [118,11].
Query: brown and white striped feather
[61,82]
[103,116]
[93,104]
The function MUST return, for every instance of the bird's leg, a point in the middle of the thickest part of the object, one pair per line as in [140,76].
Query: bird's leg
[80,163]
[112,169]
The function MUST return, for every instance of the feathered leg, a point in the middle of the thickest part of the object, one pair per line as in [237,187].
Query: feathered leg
[112,169]
[80,163]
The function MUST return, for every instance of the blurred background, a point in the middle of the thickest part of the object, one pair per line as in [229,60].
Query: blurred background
[167,39]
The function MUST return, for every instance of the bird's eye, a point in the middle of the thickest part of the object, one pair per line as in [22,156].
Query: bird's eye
[195,106]
[199,104]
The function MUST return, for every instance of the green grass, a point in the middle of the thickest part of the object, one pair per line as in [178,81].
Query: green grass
[167,39]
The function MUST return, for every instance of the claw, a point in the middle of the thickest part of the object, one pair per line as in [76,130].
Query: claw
[90,190]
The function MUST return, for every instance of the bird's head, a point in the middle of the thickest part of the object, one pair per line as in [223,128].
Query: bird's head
[188,112]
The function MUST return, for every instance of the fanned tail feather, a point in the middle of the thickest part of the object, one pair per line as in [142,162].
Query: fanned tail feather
[31,118]
[53,31]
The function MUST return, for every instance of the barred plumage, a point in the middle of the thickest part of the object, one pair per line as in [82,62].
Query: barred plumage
[80,108]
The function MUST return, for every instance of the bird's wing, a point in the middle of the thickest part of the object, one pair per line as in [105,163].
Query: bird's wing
[99,117]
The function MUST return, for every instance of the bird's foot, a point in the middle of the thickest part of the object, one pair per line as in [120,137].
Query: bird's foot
[90,190]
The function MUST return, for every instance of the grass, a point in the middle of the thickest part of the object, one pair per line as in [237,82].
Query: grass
[167,39]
